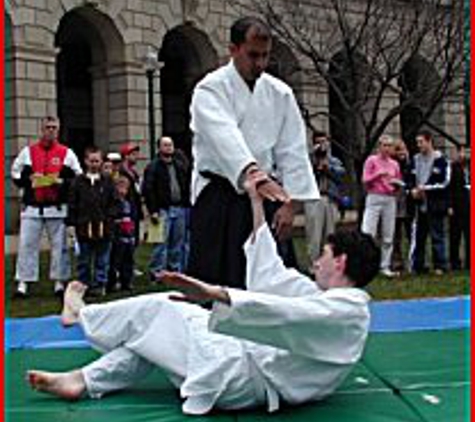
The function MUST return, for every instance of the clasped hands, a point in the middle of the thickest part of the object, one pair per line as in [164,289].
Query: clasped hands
[259,185]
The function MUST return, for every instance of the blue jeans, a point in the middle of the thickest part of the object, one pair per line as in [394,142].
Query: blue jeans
[93,256]
[170,254]
[433,225]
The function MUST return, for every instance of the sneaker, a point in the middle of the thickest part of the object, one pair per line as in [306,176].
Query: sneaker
[22,289]
[439,272]
[138,273]
[389,274]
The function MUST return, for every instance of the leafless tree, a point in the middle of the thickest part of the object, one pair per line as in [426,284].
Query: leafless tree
[380,59]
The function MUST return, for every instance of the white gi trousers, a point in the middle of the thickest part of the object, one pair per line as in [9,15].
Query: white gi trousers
[139,333]
[31,230]
[382,208]
[321,217]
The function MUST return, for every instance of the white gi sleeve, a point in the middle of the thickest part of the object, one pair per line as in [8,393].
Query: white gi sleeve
[214,122]
[23,159]
[330,327]
[291,155]
[266,272]
[71,161]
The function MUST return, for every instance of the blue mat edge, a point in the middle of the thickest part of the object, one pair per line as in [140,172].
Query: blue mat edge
[387,317]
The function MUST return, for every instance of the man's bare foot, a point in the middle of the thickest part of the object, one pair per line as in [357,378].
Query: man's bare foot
[67,385]
[73,302]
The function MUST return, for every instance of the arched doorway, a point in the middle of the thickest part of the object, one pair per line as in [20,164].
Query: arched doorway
[187,55]
[419,82]
[89,45]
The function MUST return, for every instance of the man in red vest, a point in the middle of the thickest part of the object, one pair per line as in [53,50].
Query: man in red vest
[43,171]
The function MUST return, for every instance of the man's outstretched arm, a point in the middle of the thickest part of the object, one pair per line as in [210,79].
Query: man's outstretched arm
[192,290]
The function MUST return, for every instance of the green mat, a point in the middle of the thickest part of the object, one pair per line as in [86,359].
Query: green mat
[413,377]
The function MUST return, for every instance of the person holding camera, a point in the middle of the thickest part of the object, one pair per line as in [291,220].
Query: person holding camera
[322,215]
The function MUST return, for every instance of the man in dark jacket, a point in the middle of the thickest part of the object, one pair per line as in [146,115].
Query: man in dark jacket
[166,193]
[428,182]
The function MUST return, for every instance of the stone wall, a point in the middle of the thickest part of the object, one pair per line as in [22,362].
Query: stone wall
[121,32]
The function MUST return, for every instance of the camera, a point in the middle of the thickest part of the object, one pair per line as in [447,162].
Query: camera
[320,150]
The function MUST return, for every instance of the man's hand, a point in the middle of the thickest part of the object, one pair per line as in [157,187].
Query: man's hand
[264,185]
[272,191]
[418,193]
[252,182]
[192,290]
[283,221]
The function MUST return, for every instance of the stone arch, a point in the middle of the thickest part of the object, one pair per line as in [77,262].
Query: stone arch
[90,56]
[187,55]
[420,80]
[284,65]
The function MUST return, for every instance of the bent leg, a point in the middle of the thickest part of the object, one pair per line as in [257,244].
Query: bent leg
[116,370]
[154,327]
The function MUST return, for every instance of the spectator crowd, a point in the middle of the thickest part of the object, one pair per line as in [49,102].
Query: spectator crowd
[101,209]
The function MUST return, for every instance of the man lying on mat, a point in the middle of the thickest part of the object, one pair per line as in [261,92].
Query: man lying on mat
[287,338]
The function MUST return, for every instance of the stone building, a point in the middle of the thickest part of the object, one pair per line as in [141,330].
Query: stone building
[84,60]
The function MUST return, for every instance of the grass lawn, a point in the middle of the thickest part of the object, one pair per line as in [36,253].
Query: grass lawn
[42,301]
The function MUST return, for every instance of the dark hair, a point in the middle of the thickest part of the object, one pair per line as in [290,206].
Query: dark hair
[427,135]
[122,180]
[92,150]
[362,254]
[49,119]
[240,28]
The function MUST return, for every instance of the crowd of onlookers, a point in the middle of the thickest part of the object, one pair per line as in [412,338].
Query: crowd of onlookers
[100,209]
[407,200]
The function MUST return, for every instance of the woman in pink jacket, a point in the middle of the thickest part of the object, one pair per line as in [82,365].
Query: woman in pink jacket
[382,179]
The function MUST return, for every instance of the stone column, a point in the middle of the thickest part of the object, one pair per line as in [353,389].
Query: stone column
[31,96]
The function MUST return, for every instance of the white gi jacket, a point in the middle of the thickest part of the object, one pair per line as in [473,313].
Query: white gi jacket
[302,341]
[234,127]
[283,339]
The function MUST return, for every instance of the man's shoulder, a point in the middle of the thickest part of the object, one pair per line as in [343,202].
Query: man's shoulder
[278,85]
[440,158]
[215,77]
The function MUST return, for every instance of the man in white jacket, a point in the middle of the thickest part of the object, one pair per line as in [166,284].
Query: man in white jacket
[287,338]
[244,119]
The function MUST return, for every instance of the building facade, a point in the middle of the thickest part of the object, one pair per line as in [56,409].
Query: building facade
[85,62]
